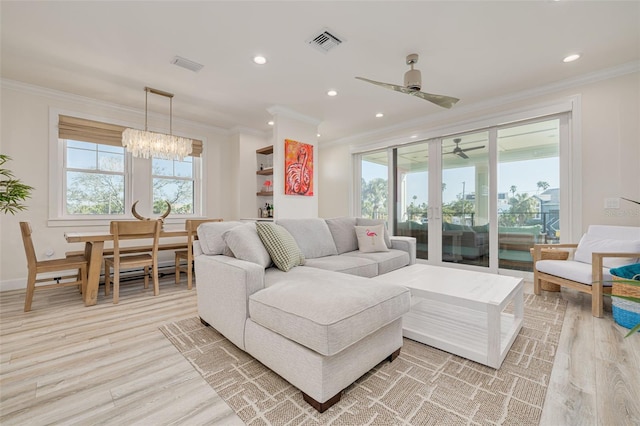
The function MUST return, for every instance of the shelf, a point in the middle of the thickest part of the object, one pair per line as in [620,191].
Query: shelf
[265,172]
[264,194]
[265,151]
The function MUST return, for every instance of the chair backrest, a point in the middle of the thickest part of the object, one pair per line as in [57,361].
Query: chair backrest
[615,232]
[25,229]
[135,229]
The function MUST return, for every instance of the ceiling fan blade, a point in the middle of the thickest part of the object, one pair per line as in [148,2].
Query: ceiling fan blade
[471,149]
[395,87]
[462,155]
[440,100]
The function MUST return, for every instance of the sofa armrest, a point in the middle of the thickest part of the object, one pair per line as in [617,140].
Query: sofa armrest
[224,285]
[407,244]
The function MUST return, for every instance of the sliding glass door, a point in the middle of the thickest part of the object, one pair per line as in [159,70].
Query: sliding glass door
[465,199]
[412,195]
[479,199]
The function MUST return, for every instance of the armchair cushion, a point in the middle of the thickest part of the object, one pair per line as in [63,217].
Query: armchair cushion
[571,270]
[590,244]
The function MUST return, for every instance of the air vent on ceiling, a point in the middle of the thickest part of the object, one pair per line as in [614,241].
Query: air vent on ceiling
[324,40]
[186,63]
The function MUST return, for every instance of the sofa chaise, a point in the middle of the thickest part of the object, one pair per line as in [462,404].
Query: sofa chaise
[316,319]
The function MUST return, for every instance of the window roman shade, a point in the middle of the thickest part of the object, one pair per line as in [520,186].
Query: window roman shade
[81,129]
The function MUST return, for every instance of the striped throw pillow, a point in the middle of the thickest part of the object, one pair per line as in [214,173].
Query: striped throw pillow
[281,246]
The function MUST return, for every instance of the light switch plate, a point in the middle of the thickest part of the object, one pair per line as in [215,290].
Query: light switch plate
[612,203]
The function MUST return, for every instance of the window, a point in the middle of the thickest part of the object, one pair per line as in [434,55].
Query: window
[94,179]
[101,181]
[173,182]
[374,187]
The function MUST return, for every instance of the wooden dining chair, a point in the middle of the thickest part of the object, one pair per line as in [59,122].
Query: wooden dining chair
[192,227]
[126,230]
[35,267]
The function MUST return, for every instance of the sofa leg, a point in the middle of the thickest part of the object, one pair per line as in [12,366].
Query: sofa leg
[322,406]
[206,324]
[394,355]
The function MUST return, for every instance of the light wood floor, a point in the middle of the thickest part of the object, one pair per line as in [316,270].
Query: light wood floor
[63,363]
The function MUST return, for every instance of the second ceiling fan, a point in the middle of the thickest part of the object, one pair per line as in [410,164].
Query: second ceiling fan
[413,84]
[461,152]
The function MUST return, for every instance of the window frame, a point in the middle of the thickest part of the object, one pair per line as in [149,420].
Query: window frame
[138,181]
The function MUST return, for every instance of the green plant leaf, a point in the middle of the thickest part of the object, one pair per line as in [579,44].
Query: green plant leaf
[633,330]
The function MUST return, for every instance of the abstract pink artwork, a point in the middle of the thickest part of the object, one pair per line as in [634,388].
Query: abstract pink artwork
[298,167]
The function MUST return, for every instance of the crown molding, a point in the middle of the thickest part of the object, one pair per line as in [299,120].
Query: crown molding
[411,125]
[70,97]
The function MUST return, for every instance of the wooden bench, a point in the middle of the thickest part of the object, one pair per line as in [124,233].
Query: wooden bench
[132,249]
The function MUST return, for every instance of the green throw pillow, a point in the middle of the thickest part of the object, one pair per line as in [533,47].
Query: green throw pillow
[280,244]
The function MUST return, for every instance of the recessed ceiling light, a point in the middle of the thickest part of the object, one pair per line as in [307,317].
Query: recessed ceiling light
[260,60]
[378,115]
[414,136]
[318,134]
[332,92]
[270,123]
[571,58]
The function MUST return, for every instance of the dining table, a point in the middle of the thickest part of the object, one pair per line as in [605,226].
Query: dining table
[93,251]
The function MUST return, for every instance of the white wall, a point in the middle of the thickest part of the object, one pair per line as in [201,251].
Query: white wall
[246,166]
[609,135]
[293,126]
[25,137]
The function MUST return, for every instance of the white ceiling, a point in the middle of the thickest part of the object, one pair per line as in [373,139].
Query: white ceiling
[473,50]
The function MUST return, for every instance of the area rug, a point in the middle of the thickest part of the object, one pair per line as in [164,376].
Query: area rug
[423,386]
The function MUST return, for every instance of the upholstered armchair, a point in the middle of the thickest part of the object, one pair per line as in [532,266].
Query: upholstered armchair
[601,248]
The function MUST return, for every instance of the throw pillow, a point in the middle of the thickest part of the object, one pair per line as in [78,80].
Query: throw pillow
[244,243]
[361,221]
[280,244]
[343,233]
[371,238]
[589,244]
[210,236]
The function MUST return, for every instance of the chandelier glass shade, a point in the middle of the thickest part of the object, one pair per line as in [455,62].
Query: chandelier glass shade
[147,144]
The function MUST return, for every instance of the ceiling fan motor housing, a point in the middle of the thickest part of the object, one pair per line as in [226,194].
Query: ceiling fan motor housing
[413,80]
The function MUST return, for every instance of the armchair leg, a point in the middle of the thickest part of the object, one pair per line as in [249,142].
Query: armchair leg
[597,300]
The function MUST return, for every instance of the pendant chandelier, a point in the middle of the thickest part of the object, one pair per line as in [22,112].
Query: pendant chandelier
[148,144]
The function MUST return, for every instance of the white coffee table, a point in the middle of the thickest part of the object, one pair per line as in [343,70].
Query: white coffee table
[460,311]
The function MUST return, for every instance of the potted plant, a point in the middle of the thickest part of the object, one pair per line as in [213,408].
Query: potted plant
[12,191]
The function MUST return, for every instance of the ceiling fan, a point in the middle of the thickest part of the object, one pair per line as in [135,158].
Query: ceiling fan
[413,84]
[461,152]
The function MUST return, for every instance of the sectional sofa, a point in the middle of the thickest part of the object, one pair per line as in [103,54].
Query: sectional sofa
[316,318]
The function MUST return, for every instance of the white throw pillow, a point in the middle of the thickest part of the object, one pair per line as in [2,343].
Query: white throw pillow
[589,244]
[371,238]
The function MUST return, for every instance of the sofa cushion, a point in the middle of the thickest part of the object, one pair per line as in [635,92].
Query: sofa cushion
[371,238]
[589,244]
[344,234]
[210,236]
[280,244]
[327,311]
[245,244]
[387,261]
[312,236]
[359,266]
[361,221]
[572,270]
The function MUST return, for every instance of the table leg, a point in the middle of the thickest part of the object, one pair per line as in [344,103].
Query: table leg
[93,253]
